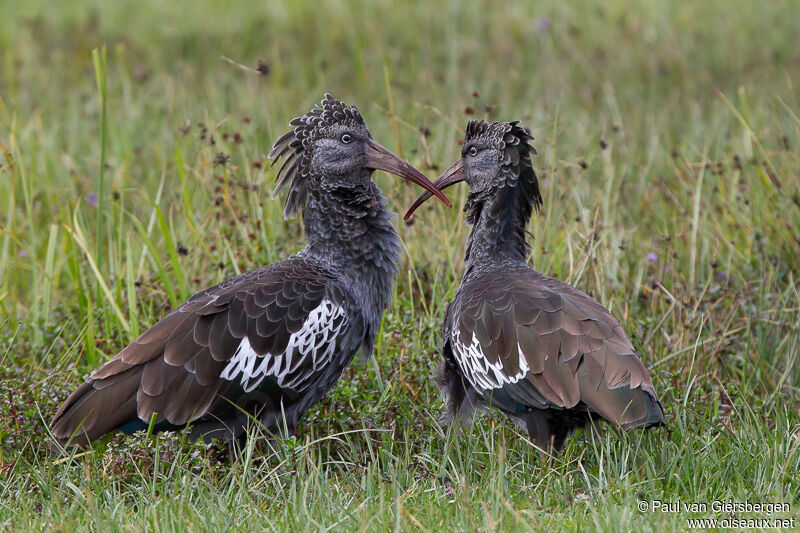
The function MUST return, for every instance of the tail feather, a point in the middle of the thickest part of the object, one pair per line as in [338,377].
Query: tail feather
[623,406]
[91,411]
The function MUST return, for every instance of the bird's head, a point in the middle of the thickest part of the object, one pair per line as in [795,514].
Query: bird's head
[330,147]
[494,155]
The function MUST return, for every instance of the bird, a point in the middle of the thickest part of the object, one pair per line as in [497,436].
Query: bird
[543,352]
[259,349]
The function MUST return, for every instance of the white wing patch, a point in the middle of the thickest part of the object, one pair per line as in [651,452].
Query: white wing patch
[479,371]
[314,341]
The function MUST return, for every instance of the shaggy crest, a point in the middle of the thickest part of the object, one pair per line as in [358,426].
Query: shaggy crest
[513,141]
[297,143]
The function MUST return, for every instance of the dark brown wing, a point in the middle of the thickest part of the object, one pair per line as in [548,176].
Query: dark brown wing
[283,322]
[530,341]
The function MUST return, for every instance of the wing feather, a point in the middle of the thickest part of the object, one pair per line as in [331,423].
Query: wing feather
[546,344]
[277,322]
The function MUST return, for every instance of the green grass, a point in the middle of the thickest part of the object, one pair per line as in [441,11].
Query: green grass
[663,128]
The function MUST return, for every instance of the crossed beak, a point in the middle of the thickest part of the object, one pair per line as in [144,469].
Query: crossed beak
[451,176]
[380,158]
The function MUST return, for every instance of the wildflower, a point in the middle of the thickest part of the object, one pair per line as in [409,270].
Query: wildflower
[543,24]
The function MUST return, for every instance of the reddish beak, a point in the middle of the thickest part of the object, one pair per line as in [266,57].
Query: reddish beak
[380,158]
[452,175]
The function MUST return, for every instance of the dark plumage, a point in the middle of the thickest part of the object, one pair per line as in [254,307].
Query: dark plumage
[543,352]
[268,344]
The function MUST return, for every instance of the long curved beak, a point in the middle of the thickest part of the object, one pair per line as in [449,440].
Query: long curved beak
[451,176]
[380,158]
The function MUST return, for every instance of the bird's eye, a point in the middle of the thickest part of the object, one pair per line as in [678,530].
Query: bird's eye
[346,138]
[473,151]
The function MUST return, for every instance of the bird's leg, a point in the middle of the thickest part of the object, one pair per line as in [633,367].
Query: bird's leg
[538,427]
[366,353]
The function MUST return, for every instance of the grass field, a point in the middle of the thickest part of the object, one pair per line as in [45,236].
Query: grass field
[669,144]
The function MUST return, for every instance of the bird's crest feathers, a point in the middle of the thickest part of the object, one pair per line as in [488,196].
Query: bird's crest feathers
[513,141]
[296,145]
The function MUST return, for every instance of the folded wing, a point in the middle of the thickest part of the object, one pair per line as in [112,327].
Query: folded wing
[529,341]
[280,326]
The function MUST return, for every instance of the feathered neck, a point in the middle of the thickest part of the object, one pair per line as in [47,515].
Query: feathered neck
[500,215]
[336,218]
[350,231]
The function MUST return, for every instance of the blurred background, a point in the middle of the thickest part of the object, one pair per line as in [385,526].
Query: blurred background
[668,86]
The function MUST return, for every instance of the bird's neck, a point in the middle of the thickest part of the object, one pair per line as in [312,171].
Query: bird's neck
[500,219]
[351,231]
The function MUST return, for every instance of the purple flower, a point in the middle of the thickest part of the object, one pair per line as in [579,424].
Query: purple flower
[722,277]
[23,253]
[652,258]
[92,198]
[543,24]
[448,491]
